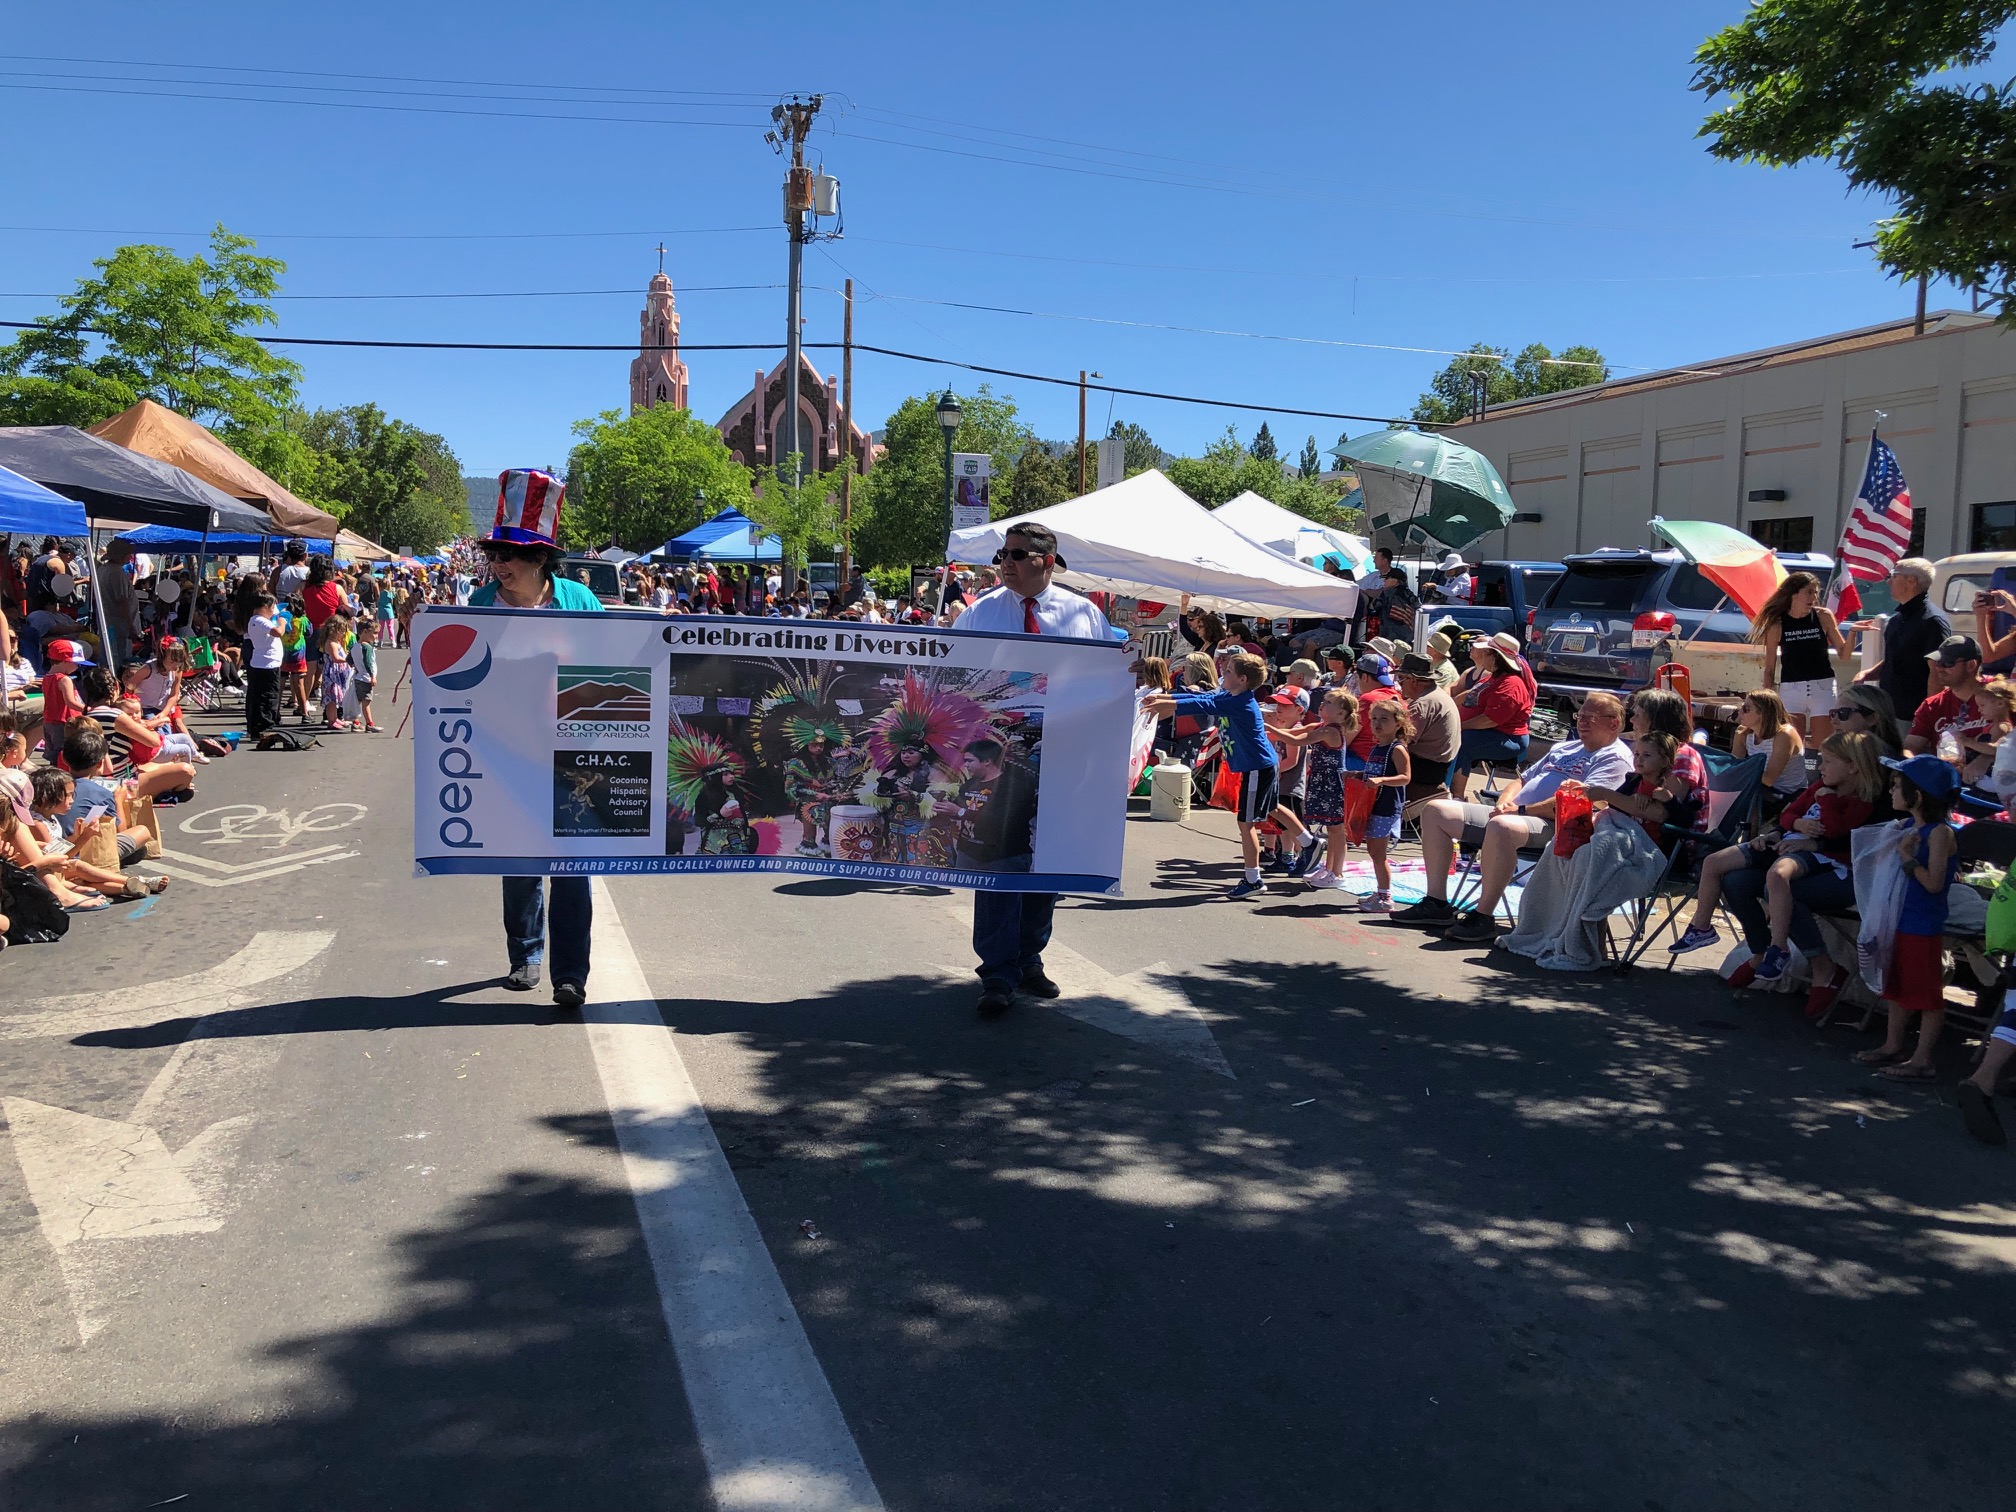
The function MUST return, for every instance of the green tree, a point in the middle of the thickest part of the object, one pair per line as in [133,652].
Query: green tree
[1845,81]
[905,492]
[1040,479]
[391,481]
[1227,469]
[801,515]
[1141,450]
[1311,463]
[637,480]
[1263,447]
[152,325]
[1535,371]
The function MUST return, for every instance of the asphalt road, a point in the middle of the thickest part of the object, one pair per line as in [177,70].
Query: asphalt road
[1278,1209]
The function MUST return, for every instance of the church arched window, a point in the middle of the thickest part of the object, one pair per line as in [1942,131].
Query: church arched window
[661,392]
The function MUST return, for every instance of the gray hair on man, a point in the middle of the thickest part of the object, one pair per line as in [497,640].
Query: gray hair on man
[1919,568]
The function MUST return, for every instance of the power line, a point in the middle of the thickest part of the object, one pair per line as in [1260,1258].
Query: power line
[309,73]
[633,291]
[394,235]
[402,94]
[773,346]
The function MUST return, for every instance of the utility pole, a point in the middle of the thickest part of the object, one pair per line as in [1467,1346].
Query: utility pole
[846,439]
[793,122]
[1081,432]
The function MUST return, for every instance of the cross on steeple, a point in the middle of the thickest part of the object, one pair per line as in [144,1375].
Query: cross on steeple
[661,257]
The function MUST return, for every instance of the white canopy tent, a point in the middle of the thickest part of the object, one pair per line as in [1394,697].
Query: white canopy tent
[1147,539]
[1294,535]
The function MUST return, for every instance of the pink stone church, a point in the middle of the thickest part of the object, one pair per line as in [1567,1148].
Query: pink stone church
[750,429]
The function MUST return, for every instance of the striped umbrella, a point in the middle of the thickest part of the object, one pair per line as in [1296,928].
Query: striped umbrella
[1740,567]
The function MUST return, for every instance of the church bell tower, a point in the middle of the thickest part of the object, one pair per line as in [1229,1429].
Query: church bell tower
[658,376]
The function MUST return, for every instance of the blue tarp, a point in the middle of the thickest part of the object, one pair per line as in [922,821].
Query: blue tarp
[168,538]
[729,537]
[27,508]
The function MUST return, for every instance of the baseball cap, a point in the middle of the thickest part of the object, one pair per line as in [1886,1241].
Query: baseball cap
[1340,653]
[1377,668]
[1955,648]
[1293,696]
[1933,776]
[1304,666]
[66,651]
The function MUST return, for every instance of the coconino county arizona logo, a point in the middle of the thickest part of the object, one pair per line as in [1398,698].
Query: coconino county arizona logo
[454,658]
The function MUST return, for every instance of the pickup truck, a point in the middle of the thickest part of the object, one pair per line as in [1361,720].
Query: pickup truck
[1507,593]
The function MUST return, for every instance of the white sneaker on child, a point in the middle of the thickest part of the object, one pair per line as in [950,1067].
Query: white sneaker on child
[1318,875]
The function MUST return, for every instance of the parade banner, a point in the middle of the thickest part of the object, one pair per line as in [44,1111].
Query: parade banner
[558,742]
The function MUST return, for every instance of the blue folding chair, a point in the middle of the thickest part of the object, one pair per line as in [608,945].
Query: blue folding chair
[1735,791]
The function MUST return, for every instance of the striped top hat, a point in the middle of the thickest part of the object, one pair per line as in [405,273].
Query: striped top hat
[528,508]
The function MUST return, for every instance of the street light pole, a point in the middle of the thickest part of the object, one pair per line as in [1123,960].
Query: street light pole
[948,422]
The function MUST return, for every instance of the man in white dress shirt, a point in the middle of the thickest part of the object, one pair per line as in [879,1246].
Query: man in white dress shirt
[1010,929]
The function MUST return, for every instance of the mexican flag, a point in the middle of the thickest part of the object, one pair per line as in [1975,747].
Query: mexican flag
[1739,566]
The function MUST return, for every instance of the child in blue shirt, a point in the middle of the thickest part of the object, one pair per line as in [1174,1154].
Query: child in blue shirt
[1923,787]
[1253,756]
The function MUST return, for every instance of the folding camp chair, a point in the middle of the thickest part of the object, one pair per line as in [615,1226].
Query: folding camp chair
[200,687]
[1735,789]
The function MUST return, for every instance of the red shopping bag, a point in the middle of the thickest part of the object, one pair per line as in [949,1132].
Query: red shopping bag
[1225,788]
[1359,796]
[1574,818]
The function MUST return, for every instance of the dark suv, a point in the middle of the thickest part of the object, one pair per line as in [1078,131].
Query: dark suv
[1607,620]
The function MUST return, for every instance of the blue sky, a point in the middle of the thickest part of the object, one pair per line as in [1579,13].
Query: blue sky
[1390,176]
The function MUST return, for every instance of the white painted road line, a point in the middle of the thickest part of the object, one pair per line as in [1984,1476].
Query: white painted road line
[769,1428]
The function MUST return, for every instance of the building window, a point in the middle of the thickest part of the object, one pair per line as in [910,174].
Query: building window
[1793,533]
[1994,528]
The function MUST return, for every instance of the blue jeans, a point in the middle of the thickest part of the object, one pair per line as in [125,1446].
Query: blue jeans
[1818,891]
[525,924]
[1490,745]
[1010,929]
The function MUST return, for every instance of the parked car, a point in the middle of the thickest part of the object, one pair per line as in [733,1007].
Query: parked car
[1506,592]
[1614,617]
[598,576]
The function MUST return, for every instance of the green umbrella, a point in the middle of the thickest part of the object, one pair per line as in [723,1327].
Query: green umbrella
[1425,487]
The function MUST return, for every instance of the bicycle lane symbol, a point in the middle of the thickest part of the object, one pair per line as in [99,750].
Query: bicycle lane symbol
[246,823]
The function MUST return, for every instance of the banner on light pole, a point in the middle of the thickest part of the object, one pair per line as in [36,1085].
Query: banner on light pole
[972,488]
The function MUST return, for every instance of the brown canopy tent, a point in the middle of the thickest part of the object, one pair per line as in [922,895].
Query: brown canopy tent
[353,547]
[154,431]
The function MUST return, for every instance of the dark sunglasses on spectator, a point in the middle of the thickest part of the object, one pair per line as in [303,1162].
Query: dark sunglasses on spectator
[1846,709]
[504,552]
[1016,554]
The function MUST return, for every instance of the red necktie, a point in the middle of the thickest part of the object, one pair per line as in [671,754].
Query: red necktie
[1029,626]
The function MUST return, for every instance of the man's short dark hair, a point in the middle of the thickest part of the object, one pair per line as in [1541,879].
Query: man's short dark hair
[1040,537]
[987,748]
[1395,575]
[296,550]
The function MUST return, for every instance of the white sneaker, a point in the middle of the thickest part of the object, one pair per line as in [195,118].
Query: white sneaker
[1319,875]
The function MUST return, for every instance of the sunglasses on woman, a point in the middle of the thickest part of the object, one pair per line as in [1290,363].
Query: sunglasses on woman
[1847,709]
[504,553]
[1016,554]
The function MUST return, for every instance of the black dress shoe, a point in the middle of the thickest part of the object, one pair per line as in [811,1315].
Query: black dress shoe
[1037,984]
[569,996]
[995,999]
[523,978]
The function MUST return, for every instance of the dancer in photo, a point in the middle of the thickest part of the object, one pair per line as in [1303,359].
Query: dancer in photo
[812,780]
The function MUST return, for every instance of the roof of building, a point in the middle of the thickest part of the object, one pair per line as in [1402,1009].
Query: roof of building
[1937,322]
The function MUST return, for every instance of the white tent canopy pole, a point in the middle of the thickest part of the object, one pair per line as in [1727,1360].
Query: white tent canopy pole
[1147,539]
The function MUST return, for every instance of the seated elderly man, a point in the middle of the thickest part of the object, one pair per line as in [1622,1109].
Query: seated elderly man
[1522,816]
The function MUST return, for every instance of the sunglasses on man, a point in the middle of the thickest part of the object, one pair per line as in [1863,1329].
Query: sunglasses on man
[1016,554]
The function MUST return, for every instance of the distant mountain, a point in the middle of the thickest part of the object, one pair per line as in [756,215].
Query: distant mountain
[482,502]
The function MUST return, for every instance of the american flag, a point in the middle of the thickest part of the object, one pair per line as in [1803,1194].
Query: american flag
[1878,530]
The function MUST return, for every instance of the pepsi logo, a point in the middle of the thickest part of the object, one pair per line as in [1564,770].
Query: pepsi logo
[454,658]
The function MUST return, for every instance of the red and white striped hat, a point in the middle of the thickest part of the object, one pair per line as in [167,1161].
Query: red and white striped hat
[528,507]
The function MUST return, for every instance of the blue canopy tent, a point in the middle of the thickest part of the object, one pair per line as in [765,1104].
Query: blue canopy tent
[27,508]
[188,542]
[729,537]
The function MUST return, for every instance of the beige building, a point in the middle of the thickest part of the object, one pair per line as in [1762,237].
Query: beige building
[1773,441]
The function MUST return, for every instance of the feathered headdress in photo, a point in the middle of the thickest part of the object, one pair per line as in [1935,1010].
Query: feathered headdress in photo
[691,756]
[941,723]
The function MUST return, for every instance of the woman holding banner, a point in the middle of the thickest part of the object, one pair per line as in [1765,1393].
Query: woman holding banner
[523,550]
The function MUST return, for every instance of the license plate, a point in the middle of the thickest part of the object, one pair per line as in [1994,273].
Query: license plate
[1644,640]
[1574,645]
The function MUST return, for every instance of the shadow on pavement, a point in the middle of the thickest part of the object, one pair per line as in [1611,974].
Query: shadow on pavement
[1521,1243]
